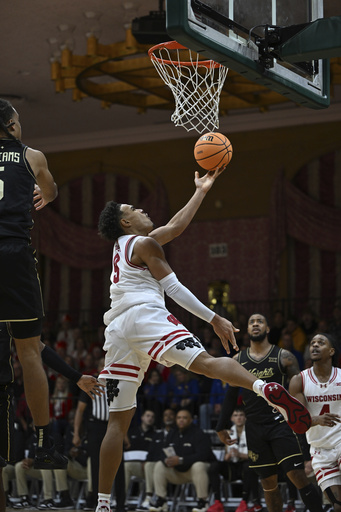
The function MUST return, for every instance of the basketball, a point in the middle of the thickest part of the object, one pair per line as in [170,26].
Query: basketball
[213,150]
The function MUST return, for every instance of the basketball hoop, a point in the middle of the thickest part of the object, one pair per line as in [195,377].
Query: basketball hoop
[196,85]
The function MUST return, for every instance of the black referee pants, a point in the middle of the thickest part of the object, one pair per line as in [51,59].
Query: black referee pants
[96,433]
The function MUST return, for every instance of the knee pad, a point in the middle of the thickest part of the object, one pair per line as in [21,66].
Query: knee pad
[331,496]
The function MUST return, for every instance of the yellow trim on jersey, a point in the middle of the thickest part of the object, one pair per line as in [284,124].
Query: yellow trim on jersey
[276,463]
[21,320]
[263,465]
[8,429]
[290,456]
[27,164]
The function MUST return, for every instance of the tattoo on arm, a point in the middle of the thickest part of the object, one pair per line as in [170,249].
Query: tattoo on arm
[289,364]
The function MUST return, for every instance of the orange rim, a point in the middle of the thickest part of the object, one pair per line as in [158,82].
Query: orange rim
[174,45]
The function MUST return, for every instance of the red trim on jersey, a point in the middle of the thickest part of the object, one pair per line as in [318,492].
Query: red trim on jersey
[121,369]
[311,376]
[303,381]
[117,372]
[125,366]
[159,345]
[126,255]
[324,472]
[333,377]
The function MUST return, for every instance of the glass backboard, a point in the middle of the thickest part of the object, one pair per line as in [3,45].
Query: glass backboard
[245,35]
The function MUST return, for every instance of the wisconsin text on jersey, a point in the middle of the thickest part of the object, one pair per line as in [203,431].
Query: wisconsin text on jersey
[323,398]
[9,156]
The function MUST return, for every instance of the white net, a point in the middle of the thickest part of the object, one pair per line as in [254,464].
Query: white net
[196,86]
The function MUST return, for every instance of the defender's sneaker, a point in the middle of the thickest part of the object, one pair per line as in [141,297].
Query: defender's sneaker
[49,458]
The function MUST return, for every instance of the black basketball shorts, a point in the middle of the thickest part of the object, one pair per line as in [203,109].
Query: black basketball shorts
[20,292]
[271,446]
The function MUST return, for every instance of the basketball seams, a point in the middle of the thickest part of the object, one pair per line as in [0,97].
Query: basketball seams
[211,144]
[213,150]
[221,140]
[210,156]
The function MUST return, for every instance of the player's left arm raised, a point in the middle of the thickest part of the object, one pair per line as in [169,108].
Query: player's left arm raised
[182,218]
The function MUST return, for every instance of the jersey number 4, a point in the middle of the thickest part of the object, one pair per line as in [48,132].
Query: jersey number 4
[325,409]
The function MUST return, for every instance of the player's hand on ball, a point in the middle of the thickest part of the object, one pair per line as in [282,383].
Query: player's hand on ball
[216,172]
[205,182]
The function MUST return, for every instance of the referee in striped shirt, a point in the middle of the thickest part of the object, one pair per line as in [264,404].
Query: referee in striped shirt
[95,414]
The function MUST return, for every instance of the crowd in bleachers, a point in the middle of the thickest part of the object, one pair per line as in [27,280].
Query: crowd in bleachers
[165,391]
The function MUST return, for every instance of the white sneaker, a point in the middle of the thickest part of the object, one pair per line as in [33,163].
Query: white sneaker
[202,506]
[144,505]
[103,506]
[160,505]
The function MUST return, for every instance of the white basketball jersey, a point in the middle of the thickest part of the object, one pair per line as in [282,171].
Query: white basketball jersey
[323,397]
[130,284]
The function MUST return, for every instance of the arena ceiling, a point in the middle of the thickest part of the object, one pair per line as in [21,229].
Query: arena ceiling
[54,122]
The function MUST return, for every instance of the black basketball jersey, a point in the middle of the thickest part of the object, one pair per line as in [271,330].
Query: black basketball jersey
[17,182]
[268,369]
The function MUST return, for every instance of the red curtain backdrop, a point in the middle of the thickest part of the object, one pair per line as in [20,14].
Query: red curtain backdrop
[305,216]
[245,268]
[308,211]
[75,261]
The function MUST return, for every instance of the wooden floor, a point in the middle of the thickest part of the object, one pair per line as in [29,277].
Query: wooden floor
[229,507]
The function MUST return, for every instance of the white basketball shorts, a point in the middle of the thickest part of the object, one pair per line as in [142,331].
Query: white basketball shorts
[326,466]
[143,333]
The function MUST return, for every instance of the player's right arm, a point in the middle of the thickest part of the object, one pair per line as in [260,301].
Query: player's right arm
[296,389]
[47,186]
[182,218]
[224,420]
[148,252]
[325,420]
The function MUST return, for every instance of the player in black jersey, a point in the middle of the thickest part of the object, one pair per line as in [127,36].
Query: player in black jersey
[87,383]
[25,181]
[271,442]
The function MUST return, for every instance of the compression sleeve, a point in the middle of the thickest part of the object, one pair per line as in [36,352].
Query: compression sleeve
[182,296]
[54,361]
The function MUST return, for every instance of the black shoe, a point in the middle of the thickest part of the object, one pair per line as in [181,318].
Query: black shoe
[49,458]
[64,504]
[24,502]
[46,505]
[158,505]
[90,503]
[201,506]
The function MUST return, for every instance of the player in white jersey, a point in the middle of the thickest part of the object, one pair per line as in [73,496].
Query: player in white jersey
[319,389]
[141,329]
